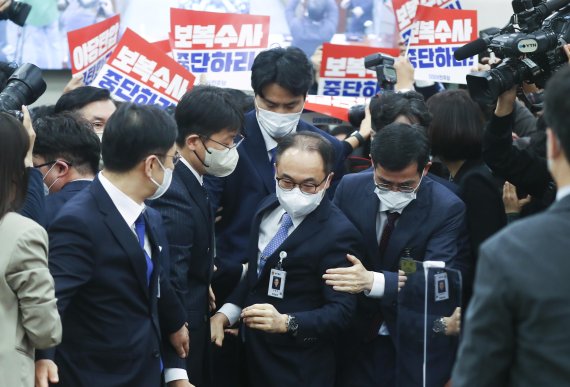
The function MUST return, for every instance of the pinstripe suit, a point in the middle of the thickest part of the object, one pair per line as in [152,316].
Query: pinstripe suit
[189,226]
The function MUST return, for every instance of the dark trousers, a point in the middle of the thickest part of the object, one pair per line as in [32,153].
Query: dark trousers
[368,364]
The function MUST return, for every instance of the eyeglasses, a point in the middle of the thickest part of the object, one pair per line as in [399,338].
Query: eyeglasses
[306,188]
[237,141]
[53,162]
[389,186]
[175,157]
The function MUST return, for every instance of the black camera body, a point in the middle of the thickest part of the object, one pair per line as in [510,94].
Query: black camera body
[530,46]
[23,87]
[17,12]
[384,67]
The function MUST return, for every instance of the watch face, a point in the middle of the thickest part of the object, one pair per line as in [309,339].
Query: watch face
[439,326]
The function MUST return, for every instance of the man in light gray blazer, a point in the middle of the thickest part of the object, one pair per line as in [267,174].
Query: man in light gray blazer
[516,328]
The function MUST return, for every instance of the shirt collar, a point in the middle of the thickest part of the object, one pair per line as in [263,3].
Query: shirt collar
[297,220]
[128,208]
[194,172]
[563,192]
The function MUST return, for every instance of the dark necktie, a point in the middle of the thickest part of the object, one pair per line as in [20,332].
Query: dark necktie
[275,242]
[273,152]
[389,226]
[140,229]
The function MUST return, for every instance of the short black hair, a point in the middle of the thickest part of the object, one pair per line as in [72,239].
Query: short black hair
[288,67]
[70,137]
[398,145]
[457,125]
[13,173]
[311,142]
[134,132]
[80,97]
[245,101]
[557,106]
[42,111]
[206,110]
[387,107]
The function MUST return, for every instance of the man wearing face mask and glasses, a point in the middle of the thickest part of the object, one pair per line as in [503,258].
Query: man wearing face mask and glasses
[208,138]
[124,324]
[281,78]
[67,153]
[297,234]
[395,208]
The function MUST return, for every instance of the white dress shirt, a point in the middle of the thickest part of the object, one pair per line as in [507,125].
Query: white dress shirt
[562,192]
[199,177]
[268,227]
[130,211]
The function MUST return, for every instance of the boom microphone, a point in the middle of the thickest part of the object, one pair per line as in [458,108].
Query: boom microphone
[471,49]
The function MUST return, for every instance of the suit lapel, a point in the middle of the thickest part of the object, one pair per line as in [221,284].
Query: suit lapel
[254,148]
[304,232]
[368,210]
[411,219]
[195,189]
[123,234]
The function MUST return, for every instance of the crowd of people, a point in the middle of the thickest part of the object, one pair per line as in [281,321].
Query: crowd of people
[228,242]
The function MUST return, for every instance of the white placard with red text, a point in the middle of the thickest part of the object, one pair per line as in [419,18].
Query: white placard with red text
[91,46]
[140,72]
[405,11]
[218,47]
[436,34]
[343,74]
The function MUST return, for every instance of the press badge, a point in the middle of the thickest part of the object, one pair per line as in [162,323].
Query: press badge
[277,277]
[441,287]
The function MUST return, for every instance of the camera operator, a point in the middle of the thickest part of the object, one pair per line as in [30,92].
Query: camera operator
[524,168]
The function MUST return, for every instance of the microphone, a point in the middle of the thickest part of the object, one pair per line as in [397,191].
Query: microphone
[471,49]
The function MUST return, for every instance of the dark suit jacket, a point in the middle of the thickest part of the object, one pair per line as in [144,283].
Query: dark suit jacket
[240,193]
[34,203]
[56,200]
[189,224]
[432,227]
[113,322]
[320,242]
[516,327]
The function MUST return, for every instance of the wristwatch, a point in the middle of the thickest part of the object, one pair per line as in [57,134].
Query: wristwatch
[358,136]
[292,325]
[440,325]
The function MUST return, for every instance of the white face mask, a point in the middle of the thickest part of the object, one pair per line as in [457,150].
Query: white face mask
[277,125]
[46,187]
[221,163]
[396,201]
[166,180]
[296,203]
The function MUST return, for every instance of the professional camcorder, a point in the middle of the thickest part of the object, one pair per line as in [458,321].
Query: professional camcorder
[17,12]
[23,87]
[530,46]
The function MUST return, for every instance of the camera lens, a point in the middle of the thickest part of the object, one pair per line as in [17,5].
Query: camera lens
[24,87]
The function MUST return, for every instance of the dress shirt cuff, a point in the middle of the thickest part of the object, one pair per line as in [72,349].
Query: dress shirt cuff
[378,285]
[172,374]
[243,271]
[232,312]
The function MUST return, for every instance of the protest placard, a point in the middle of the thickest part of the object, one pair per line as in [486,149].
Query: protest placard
[343,73]
[141,73]
[436,34]
[91,46]
[222,46]
[405,11]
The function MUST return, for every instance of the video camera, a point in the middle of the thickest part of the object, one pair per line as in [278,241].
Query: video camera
[384,67]
[23,87]
[530,46]
[17,12]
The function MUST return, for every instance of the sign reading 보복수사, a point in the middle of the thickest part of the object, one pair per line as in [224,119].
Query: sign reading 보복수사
[91,46]
[218,47]
[141,73]
[405,11]
[436,34]
[343,73]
